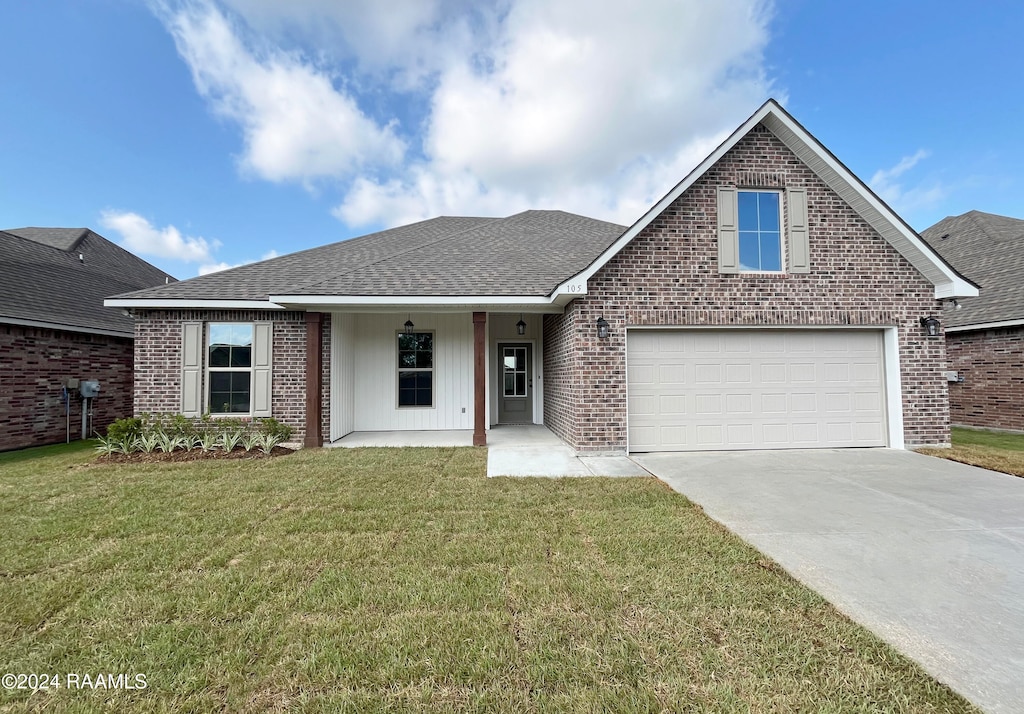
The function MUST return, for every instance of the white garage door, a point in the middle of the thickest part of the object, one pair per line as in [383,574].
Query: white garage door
[696,390]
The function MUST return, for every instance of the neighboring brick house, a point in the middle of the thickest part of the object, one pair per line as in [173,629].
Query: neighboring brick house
[985,334]
[770,300]
[53,326]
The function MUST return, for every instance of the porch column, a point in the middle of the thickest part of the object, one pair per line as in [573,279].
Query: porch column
[314,378]
[479,379]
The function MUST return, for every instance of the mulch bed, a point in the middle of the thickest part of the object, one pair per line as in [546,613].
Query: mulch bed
[191,455]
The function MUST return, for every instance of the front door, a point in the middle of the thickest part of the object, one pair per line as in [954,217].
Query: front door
[515,396]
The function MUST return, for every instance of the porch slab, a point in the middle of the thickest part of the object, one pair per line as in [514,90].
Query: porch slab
[512,450]
[461,437]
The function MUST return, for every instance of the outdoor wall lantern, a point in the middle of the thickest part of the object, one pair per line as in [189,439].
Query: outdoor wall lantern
[521,326]
[931,325]
[602,328]
[409,325]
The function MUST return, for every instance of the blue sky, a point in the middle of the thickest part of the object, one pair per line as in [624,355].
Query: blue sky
[209,133]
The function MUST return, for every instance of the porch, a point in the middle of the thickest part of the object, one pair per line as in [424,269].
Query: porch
[512,450]
[395,374]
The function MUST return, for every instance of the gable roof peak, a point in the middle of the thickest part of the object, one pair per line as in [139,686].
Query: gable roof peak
[773,117]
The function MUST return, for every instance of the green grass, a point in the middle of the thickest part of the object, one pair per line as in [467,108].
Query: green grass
[42,452]
[992,439]
[988,449]
[404,580]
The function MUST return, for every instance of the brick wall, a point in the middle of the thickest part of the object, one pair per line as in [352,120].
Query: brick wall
[158,361]
[668,275]
[32,363]
[562,399]
[992,365]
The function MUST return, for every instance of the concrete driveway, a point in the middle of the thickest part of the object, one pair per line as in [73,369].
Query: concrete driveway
[927,553]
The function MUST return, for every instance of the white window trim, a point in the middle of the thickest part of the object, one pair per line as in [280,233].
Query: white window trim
[783,229]
[208,370]
[433,370]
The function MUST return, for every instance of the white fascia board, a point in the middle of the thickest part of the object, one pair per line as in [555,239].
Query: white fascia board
[986,326]
[190,304]
[65,328]
[946,281]
[948,284]
[421,303]
[657,209]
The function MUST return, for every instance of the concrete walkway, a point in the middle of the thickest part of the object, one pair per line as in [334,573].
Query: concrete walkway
[927,553]
[512,450]
[533,450]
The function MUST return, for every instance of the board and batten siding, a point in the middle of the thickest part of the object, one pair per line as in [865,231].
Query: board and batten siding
[364,390]
[343,374]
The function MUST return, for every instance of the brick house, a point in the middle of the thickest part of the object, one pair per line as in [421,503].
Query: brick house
[53,326]
[985,334]
[770,300]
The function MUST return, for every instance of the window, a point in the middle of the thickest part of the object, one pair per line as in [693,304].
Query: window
[230,368]
[750,235]
[416,369]
[514,359]
[760,231]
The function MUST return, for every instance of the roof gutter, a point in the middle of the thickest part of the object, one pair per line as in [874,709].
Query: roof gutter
[986,326]
[554,303]
[65,328]
[191,304]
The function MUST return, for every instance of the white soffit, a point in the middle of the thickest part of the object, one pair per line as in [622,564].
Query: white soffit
[947,282]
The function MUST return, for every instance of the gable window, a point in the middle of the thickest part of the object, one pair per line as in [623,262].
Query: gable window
[750,231]
[760,231]
[230,368]
[415,369]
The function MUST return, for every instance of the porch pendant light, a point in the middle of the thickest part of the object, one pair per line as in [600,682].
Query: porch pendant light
[521,326]
[409,325]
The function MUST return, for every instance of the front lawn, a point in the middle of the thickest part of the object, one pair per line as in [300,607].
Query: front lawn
[403,579]
[988,449]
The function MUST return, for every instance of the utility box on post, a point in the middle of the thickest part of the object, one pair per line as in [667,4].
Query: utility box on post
[89,388]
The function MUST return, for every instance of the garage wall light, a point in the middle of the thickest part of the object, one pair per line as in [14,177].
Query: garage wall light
[931,325]
[602,328]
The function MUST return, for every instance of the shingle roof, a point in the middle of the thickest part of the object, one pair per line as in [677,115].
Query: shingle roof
[529,253]
[989,250]
[43,280]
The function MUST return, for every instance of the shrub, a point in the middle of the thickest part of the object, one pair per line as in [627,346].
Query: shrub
[147,441]
[229,439]
[271,426]
[250,440]
[208,440]
[127,429]
[169,441]
[108,446]
[170,432]
[267,442]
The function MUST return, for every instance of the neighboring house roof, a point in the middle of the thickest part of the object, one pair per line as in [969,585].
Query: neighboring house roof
[59,277]
[527,254]
[988,249]
[536,259]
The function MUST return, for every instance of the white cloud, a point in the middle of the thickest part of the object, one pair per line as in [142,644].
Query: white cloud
[207,268]
[895,192]
[593,106]
[296,124]
[564,111]
[140,236]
